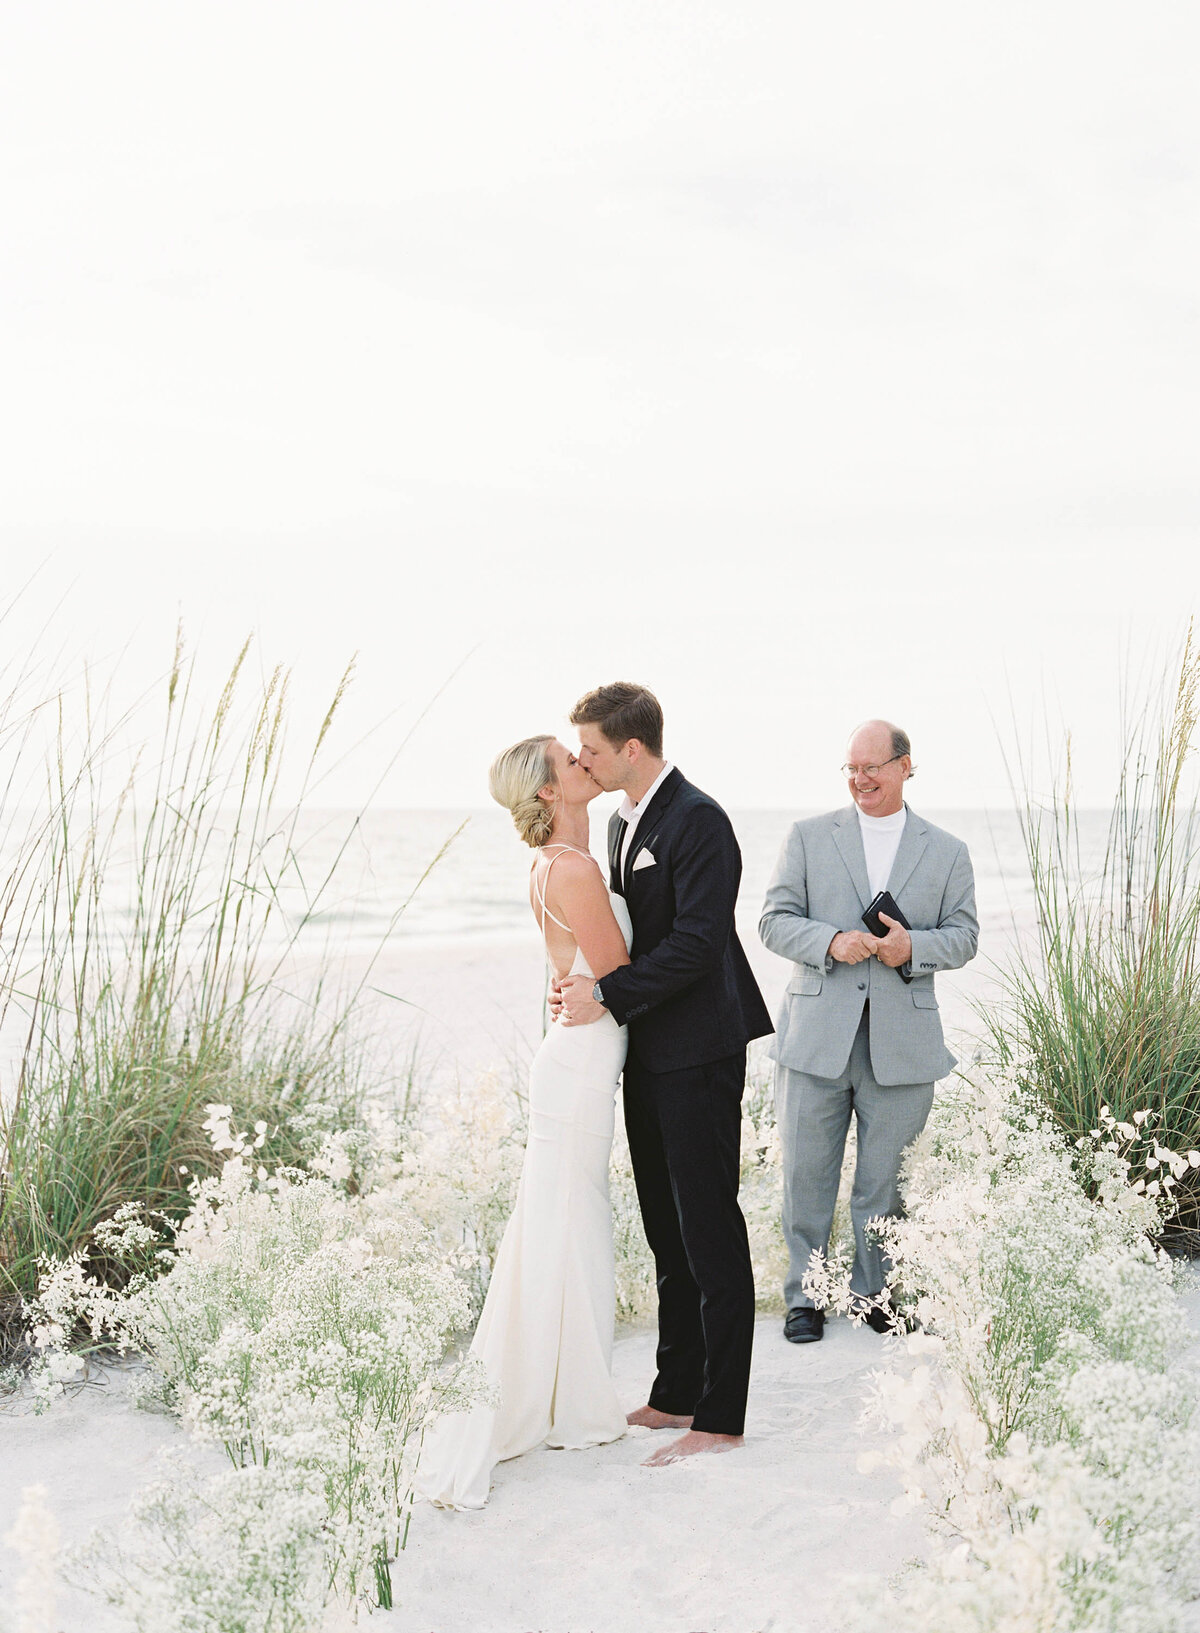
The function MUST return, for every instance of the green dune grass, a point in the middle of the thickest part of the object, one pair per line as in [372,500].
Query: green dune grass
[1105,1009]
[148,911]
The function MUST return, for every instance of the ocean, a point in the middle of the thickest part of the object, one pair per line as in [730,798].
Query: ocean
[427,912]
[462,978]
[479,886]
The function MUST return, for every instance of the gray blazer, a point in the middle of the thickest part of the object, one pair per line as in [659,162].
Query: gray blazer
[820,887]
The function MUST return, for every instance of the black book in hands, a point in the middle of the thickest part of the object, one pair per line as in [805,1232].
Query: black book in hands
[885,902]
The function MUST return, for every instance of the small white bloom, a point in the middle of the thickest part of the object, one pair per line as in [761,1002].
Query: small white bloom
[64,1367]
[358,1252]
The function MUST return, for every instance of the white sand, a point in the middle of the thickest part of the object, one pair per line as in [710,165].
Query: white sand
[571,1542]
[478,1007]
[92,1450]
[762,1537]
[767,1537]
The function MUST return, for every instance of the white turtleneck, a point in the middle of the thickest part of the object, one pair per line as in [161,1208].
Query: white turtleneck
[881,841]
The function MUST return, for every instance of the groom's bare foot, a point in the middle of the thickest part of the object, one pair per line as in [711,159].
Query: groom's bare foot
[648,1417]
[692,1444]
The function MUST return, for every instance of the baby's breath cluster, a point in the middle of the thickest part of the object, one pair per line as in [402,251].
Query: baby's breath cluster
[460,1174]
[1045,1416]
[1127,1159]
[760,1191]
[301,1328]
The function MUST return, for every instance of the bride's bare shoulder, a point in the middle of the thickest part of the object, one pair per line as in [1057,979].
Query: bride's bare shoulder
[572,860]
[572,870]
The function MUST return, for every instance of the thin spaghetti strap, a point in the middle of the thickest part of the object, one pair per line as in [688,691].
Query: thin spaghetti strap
[540,890]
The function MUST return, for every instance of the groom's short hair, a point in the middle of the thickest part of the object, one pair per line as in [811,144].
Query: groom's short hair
[622,711]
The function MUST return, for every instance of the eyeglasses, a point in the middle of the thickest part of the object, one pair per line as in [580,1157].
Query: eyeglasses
[867,770]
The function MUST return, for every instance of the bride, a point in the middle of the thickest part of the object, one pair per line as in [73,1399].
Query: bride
[545,1335]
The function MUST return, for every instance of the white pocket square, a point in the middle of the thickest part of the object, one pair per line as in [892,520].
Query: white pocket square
[645,860]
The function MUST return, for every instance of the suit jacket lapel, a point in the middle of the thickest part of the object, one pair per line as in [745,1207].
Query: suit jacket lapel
[847,836]
[909,852]
[648,819]
[616,832]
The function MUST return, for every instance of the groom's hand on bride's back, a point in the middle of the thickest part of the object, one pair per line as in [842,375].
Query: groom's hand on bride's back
[579,1007]
[554,998]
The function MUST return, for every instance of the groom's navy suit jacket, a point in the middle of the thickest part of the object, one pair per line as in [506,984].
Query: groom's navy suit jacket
[688,997]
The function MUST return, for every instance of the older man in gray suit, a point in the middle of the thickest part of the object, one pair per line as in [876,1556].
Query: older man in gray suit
[859,1029]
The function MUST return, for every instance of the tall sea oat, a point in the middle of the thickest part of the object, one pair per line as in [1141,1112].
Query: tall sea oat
[154,887]
[1105,1008]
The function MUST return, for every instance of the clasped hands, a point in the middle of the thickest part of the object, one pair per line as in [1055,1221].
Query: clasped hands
[572,999]
[853,946]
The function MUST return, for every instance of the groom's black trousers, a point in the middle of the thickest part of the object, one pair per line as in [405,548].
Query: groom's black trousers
[685,1142]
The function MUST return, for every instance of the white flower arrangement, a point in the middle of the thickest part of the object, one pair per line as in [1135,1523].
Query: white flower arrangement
[460,1178]
[1044,1417]
[302,1329]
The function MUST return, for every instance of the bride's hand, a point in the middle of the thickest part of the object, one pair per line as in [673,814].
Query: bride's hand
[579,1007]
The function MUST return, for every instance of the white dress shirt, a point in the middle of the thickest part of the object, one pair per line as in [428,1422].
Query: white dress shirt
[881,841]
[631,813]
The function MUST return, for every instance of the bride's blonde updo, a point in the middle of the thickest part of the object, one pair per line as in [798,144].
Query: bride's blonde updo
[514,780]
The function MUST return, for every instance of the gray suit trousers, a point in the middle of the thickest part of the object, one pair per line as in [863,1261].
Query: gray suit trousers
[814,1117]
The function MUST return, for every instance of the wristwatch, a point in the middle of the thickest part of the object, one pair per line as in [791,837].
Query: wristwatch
[597,995]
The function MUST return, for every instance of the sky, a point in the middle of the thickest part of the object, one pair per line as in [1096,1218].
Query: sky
[803,362]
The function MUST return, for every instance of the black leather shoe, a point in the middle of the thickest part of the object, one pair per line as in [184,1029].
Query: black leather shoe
[889,1319]
[804,1326]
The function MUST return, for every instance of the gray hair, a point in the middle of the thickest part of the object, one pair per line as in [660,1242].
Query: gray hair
[901,744]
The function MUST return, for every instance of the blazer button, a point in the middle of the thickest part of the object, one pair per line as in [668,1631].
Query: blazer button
[862,986]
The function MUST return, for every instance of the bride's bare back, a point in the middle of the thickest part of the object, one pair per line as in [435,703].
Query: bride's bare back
[571,905]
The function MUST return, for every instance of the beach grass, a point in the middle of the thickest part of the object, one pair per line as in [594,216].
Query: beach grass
[1104,1008]
[150,908]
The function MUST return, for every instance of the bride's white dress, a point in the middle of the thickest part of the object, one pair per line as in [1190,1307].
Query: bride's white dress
[546,1332]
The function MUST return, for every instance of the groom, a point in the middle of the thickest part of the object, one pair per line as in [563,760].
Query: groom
[691,1005]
